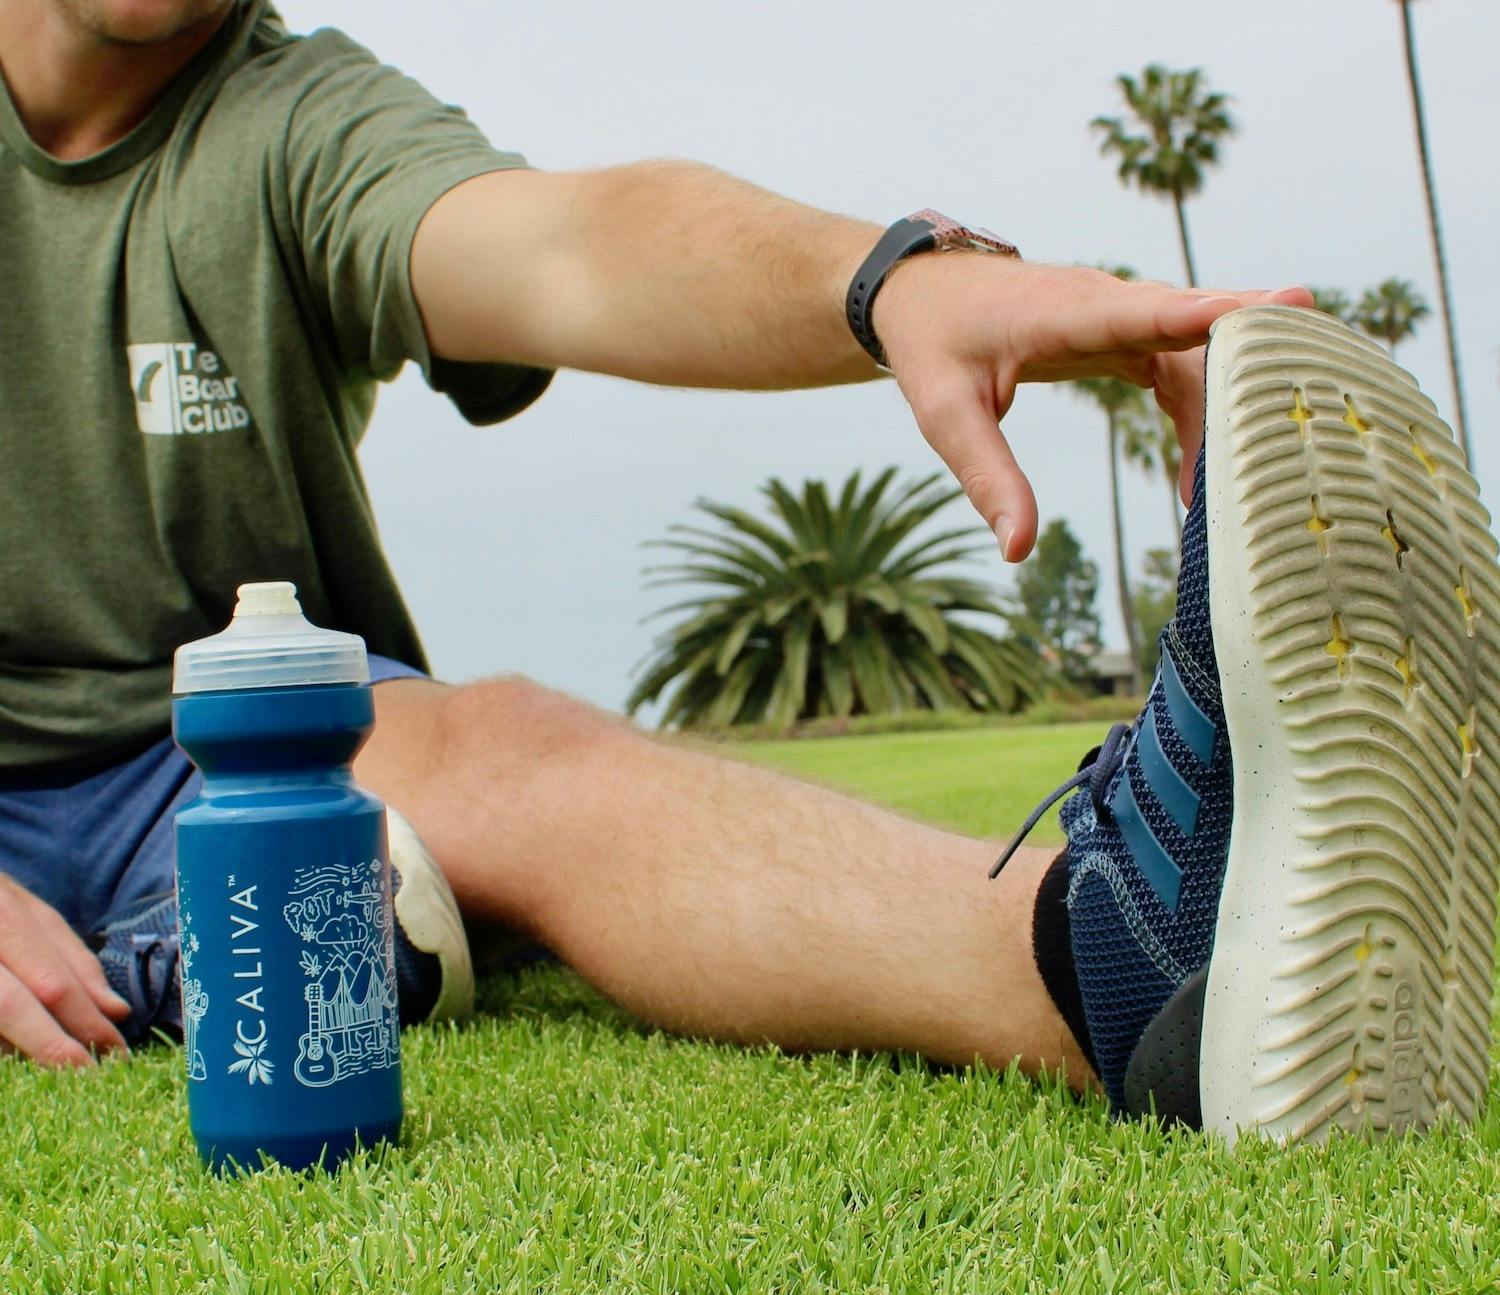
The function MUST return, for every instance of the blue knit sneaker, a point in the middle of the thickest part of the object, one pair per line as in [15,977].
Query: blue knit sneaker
[1281,879]
[138,951]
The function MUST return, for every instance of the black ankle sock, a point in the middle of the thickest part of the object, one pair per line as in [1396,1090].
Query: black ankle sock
[1052,946]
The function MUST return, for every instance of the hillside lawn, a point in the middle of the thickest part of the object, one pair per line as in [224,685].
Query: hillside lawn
[555,1145]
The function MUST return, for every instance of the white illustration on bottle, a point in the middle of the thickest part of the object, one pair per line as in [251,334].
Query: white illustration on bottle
[194,1005]
[352,1023]
[253,1062]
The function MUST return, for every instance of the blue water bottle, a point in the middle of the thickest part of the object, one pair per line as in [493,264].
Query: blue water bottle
[290,1023]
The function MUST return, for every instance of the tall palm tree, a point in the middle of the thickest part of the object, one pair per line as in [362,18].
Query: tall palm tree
[1125,413]
[1151,445]
[1445,293]
[1183,122]
[831,608]
[1391,311]
[1333,301]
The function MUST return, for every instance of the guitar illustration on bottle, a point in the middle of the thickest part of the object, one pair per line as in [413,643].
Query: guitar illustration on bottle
[352,1024]
[316,1065]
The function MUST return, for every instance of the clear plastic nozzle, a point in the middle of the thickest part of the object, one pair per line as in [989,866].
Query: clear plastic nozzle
[269,644]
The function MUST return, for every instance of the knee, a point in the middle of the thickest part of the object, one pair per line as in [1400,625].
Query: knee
[475,768]
[465,742]
[511,720]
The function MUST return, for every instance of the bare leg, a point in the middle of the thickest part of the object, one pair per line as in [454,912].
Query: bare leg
[712,898]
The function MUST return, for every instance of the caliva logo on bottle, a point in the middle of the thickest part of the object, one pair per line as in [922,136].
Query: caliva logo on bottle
[250,1042]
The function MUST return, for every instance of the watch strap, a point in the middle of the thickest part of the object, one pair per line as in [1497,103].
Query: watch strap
[924,231]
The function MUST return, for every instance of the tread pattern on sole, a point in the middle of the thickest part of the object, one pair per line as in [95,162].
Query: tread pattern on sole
[1374,602]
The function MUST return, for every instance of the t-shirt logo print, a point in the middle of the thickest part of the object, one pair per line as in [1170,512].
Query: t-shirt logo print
[180,389]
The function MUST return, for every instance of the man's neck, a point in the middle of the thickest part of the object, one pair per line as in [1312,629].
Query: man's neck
[76,92]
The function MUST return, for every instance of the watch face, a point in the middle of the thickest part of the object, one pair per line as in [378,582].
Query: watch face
[948,234]
[981,240]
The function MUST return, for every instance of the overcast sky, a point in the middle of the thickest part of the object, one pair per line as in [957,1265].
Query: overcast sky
[518,546]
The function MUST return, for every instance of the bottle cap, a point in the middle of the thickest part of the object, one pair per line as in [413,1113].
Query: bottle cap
[269,644]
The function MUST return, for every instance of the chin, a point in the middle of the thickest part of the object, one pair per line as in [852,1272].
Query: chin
[142,22]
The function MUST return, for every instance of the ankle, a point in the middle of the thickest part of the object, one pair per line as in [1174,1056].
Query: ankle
[1052,946]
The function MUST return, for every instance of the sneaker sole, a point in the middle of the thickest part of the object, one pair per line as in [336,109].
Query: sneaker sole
[1355,601]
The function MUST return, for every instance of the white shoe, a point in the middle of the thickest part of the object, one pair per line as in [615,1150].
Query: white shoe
[434,972]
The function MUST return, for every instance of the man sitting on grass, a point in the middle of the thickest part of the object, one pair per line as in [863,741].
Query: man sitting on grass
[1276,908]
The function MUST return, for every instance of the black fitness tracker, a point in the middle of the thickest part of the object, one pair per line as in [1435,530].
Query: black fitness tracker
[925,231]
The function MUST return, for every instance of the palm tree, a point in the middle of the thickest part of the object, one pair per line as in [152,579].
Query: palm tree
[1183,123]
[830,609]
[1153,447]
[1155,602]
[1333,301]
[1151,444]
[1445,294]
[1391,311]
[1124,406]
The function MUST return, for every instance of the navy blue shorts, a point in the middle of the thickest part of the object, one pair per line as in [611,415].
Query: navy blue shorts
[92,845]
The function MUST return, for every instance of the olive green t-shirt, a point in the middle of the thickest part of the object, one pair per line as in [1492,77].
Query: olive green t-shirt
[192,327]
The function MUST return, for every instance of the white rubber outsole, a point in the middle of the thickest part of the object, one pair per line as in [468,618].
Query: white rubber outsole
[428,914]
[1356,616]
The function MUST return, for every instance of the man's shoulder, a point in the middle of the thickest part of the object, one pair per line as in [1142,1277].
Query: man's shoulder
[274,108]
[230,157]
[279,71]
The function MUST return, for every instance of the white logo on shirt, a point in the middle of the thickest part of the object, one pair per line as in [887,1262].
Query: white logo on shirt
[182,390]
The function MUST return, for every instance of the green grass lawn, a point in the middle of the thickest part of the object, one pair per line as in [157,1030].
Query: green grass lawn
[554,1145]
[983,781]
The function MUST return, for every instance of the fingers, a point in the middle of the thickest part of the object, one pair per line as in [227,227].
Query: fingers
[1039,323]
[32,1030]
[1046,323]
[45,1010]
[1072,323]
[960,421]
[1177,378]
[38,964]
[1187,316]
[80,959]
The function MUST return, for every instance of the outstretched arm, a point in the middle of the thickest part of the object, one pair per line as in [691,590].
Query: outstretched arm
[674,273]
[664,272]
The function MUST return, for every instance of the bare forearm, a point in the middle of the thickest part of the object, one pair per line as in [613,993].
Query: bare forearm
[666,272]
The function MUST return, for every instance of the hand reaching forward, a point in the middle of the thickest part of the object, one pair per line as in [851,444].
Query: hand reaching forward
[962,329]
[55,1004]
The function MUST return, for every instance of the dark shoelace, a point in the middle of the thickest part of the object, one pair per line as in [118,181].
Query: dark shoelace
[141,967]
[1098,769]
